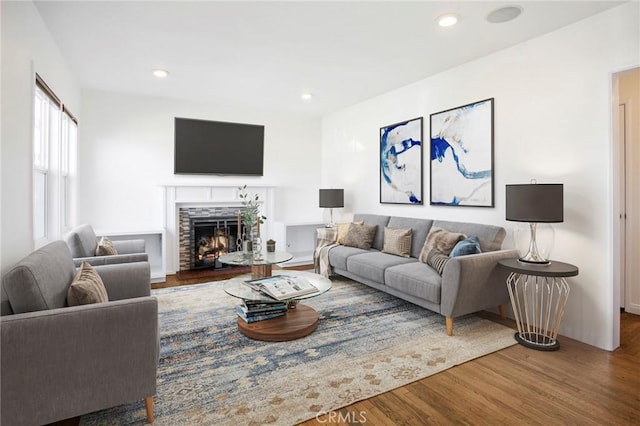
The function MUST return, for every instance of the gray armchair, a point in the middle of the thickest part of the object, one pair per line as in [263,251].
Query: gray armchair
[59,362]
[82,242]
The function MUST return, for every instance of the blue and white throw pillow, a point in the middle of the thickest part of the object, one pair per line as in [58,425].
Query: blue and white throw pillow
[469,246]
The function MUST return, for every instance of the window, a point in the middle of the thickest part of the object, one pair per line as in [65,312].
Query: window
[54,146]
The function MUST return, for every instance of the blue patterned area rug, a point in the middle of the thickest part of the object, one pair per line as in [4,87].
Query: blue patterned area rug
[367,343]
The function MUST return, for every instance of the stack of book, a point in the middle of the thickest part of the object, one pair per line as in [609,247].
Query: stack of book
[252,311]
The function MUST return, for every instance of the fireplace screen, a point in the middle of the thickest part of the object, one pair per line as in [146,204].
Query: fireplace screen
[211,239]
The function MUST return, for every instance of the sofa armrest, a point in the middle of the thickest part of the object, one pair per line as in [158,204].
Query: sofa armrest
[62,363]
[473,283]
[129,246]
[112,259]
[126,280]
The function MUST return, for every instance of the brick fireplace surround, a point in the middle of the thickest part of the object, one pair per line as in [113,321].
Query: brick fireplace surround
[181,201]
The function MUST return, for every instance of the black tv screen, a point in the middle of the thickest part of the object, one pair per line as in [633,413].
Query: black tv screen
[217,147]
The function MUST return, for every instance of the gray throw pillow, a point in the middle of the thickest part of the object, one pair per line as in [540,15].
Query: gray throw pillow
[105,248]
[87,287]
[397,241]
[360,236]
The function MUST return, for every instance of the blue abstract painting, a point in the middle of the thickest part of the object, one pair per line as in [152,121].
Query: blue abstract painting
[462,155]
[401,162]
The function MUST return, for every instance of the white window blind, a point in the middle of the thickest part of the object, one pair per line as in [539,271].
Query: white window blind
[54,148]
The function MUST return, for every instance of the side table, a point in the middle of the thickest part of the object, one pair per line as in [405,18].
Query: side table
[538,295]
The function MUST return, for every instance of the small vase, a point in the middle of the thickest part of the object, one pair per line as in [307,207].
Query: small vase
[271,247]
[256,243]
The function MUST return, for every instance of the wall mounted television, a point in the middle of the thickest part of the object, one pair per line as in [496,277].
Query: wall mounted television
[218,148]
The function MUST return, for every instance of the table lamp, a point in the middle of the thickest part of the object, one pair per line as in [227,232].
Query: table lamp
[331,198]
[536,204]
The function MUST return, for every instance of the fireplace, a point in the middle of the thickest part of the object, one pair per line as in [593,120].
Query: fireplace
[182,201]
[206,233]
[212,237]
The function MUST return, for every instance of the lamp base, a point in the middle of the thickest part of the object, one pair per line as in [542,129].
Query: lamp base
[534,262]
[534,243]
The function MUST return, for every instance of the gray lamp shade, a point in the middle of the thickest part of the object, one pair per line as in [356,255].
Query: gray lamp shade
[330,198]
[535,203]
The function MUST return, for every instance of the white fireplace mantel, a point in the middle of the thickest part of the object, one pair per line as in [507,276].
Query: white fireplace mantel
[178,196]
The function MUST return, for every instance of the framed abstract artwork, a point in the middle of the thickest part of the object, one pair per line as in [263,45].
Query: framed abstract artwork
[401,162]
[462,155]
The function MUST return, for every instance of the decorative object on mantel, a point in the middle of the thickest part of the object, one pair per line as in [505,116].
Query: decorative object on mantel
[252,219]
[401,162]
[539,205]
[271,246]
[330,199]
[462,156]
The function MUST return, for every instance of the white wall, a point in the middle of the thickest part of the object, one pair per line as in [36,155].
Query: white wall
[27,48]
[552,122]
[126,152]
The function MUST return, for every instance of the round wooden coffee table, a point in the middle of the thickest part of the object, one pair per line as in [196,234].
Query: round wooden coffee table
[299,321]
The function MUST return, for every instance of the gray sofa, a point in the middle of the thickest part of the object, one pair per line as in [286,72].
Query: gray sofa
[82,242]
[59,362]
[468,283]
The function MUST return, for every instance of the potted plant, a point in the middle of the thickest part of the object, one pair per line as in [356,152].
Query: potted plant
[251,218]
[271,246]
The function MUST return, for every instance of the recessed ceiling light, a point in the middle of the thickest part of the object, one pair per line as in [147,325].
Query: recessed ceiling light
[504,14]
[160,73]
[447,20]
[306,96]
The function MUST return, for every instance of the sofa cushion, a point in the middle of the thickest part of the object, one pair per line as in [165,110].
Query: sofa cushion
[469,246]
[419,229]
[82,241]
[40,281]
[373,264]
[105,248]
[380,222]
[437,260]
[441,240]
[343,229]
[338,255]
[417,279]
[490,236]
[87,287]
[360,236]
[397,241]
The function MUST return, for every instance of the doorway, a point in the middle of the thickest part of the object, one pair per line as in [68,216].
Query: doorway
[626,129]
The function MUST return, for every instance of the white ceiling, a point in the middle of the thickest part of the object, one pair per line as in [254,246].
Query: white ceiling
[265,54]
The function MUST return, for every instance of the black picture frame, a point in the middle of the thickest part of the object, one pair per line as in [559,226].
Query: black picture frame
[461,156]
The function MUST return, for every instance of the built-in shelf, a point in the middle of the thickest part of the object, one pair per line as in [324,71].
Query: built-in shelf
[154,246]
[299,239]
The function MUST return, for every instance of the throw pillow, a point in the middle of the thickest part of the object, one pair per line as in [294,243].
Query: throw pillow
[105,247]
[441,240]
[397,241]
[87,287]
[465,247]
[343,228]
[437,260]
[360,236]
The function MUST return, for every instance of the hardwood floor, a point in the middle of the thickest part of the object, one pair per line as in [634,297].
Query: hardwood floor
[577,385]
